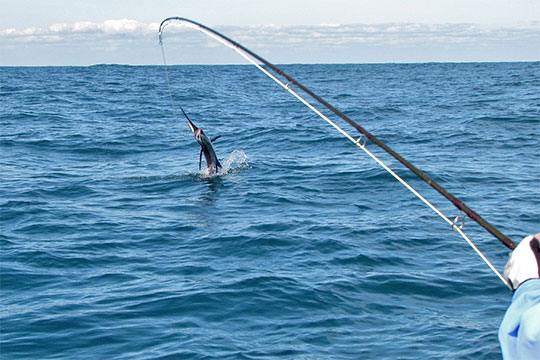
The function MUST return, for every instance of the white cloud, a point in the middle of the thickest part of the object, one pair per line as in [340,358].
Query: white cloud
[282,41]
[274,34]
[89,30]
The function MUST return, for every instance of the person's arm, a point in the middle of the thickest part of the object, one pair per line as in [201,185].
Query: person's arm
[519,333]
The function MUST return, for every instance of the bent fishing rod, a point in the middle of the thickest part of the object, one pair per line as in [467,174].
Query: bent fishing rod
[288,84]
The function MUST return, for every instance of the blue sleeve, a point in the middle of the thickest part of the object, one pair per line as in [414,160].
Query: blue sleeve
[519,333]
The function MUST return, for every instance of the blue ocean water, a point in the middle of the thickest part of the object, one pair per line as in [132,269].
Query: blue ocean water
[115,246]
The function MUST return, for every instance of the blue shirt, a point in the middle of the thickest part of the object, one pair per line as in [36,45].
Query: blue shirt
[519,333]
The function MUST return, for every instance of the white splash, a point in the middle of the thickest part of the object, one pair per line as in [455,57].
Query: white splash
[237,160]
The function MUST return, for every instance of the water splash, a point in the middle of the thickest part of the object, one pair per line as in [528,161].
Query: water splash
[236,161]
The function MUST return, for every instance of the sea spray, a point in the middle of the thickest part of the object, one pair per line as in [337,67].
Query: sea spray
[236,161]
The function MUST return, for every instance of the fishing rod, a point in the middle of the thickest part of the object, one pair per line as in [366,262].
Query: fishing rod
[255,59]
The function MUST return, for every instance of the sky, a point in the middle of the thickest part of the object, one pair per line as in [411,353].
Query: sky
[77,32]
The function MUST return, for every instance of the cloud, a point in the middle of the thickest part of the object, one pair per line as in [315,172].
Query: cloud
[285,35]
[286,43]
[85,30]
[381,33]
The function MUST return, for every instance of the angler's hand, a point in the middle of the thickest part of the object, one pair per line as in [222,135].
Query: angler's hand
[524,263]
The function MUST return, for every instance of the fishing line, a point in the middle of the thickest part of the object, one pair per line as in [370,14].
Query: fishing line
[360,142]
[168,81]
[169,86]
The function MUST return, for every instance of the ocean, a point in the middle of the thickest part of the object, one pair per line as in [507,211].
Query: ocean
[115,246]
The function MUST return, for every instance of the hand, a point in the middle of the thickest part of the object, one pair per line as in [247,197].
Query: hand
[524,263]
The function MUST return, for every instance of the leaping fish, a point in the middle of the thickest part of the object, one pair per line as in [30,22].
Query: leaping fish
[212,162]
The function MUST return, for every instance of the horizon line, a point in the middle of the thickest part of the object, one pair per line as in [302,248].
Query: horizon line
[298,63]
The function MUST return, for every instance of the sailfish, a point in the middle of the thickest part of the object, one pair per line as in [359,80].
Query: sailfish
[212,162]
